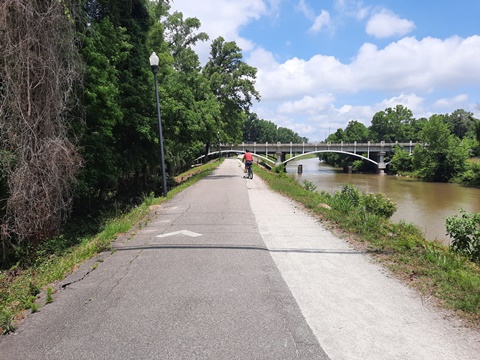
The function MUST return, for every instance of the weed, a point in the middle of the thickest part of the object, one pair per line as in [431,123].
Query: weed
[34,307]
[49,298]
[465,234]
[309,186]
[6,322]
[34,290]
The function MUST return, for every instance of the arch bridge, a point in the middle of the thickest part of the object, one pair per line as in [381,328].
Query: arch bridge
[375,152]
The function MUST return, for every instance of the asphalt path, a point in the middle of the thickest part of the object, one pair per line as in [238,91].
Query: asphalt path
[229,269]
[196,282]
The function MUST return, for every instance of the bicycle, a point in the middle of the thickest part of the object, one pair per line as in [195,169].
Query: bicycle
[249,174]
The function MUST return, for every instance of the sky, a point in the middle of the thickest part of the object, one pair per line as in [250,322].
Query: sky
[323,63]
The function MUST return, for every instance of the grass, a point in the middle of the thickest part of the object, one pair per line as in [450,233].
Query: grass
[20,285]
[431,268]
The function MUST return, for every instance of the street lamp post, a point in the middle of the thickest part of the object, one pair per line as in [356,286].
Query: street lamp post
[154,64]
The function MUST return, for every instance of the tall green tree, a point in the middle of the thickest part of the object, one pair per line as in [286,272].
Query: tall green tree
[258,130]
[104,46]
[356,131]
[401,162]
[390,125]
[233,83]
[120,141]
[190,109]
[460,123]
[445,155]
[286,135]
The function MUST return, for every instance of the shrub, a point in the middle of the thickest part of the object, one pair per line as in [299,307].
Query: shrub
[379,204]
[465,234]
[6,322]
[310,186]
[471,176]
[279,169]
[351,194]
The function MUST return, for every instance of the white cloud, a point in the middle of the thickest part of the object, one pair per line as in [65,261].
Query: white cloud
[352,8]
[387,24]
[321,92]
[451,102]
[321,21]
[307,105]
[224,18]
[404,66]
[411,101]
[305,9]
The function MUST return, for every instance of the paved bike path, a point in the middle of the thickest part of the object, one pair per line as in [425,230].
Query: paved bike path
[196,282]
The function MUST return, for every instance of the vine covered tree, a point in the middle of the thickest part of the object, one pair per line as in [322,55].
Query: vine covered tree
[39,67]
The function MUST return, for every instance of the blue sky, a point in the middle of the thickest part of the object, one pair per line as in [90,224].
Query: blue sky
[322,63]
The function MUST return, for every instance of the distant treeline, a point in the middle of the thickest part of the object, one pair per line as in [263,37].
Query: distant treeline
[453,145]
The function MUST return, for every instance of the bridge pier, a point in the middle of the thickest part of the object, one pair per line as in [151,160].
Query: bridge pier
[381,163]
[281,157]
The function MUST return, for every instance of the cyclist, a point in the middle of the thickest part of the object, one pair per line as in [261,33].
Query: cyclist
[248,159]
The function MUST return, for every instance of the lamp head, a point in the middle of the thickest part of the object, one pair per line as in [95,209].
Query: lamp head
[154,62]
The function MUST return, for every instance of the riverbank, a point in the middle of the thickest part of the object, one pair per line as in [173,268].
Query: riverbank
[424,204]
[428,267]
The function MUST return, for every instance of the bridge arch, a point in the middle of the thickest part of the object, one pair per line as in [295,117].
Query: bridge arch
[288,160]
[330,151]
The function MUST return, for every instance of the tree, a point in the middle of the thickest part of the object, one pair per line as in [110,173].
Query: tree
[190,109]
[258,130]
[39,67]
[233,83]
[460,122]
[401,162]
[413,128]
[180,35]
[390,125]
[445,155]
[356,131]
[120,141]
[104,46]
[287,135]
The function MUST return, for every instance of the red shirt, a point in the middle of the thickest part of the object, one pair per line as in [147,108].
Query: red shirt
[248,156]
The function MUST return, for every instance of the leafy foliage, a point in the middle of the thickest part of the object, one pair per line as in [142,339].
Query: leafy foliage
[402,161]
[445,155]
[232,81]
[465,234]
[391,125]
[379,204]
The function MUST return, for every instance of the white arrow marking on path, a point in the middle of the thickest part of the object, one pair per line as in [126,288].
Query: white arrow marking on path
[182,232]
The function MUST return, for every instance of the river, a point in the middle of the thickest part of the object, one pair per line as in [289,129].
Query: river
[425,204]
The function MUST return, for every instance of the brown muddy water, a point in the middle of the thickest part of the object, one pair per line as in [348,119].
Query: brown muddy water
[422,203]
